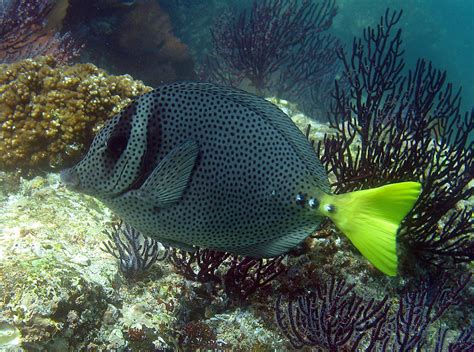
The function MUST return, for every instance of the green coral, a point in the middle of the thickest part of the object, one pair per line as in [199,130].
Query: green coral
[49,112]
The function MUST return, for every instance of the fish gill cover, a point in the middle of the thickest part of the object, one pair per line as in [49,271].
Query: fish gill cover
[387,125]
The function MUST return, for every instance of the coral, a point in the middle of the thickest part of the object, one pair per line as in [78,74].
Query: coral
[421,307]
[49,112]
[332,317]
[24,34]
[246,275]
[277,46]
[50,252]
[395,127]
[197,335]
[240,276]
[201,265]
[41,296]
[136,253]
[464,342]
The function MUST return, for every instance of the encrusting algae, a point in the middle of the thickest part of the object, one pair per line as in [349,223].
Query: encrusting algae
[49,113]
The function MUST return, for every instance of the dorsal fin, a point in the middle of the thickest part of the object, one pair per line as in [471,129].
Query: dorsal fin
[278,119]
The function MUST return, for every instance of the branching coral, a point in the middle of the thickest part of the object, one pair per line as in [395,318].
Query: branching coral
[392,127]
[201,265]
[135,253]
[463,343]
[23,33]
[240,276]
[397,127]
[422,306]
[334,318]
[246,275]
[277,46]
[49,112]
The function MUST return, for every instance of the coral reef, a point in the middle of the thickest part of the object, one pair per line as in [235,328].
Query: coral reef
[419,308]
[463,343]
[49,112]
[239,276]
[24,32]
[60,291]
[332,317]
[48,232]
[197,334]
[395,127]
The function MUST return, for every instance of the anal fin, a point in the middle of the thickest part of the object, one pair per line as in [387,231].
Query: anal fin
[273,247]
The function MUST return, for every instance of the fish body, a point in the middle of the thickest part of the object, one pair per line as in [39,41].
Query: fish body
[200,165]
[245,176]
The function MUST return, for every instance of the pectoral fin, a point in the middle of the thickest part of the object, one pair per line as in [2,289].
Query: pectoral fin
[168,181]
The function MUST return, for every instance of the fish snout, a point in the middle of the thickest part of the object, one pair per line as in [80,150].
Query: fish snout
[70,178]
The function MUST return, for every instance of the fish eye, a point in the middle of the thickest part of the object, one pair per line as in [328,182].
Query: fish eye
[116,145]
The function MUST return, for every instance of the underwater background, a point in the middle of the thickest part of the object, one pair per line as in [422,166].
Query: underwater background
[381,109]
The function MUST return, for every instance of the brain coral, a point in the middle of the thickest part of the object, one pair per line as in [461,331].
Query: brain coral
[49,112]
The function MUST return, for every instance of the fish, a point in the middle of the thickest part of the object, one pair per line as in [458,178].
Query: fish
[198,165]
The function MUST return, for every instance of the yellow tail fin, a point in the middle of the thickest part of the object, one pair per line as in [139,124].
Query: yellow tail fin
[371,218]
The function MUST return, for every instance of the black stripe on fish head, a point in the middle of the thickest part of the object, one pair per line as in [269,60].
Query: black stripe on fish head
[130,142]
[115,158]
[153,143]
[93,174]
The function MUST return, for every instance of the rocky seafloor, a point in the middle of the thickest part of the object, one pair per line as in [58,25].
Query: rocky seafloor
[60,291]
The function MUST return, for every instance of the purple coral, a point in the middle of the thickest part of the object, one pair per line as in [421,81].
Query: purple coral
[334,318]
[331,317]
[240,277]
[463,343]
[201,265]
[394,127]
[422,306]
[23,32]
[276,45]
[246,275]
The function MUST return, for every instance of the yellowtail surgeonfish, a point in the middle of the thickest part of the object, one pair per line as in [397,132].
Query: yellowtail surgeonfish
[200,165]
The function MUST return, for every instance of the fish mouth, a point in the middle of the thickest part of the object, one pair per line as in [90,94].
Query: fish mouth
[70,178]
